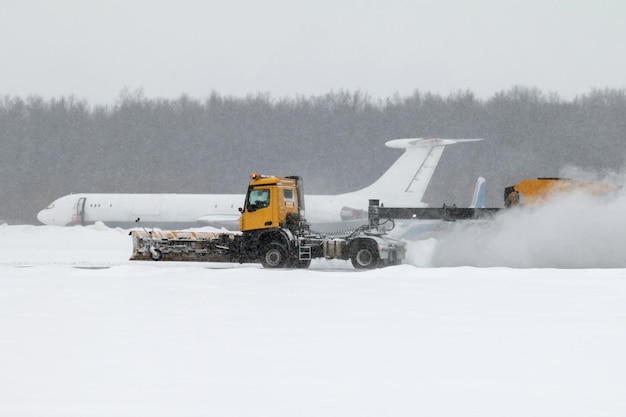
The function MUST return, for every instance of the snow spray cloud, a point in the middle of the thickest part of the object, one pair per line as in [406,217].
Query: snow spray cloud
[573,231]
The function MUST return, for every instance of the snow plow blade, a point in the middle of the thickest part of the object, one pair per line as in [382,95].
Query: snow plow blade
[181,246]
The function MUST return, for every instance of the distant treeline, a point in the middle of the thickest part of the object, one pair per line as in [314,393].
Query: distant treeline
[54,147]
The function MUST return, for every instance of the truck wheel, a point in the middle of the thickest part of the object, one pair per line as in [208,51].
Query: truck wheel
[155,254]
[365,257]
[274,256]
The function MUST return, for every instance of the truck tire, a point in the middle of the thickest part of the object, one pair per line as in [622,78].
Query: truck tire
[365,256]
[155,254]
[274,256]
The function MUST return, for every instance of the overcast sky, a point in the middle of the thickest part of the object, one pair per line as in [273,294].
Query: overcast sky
[94,49]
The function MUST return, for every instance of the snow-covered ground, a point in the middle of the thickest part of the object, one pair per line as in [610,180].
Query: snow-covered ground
[85,332]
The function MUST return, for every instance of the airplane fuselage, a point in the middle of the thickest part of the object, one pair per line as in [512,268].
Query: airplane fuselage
[153,209]
[194,210]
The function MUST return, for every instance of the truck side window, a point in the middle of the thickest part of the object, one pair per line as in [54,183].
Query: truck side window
[288,198]
[258,199]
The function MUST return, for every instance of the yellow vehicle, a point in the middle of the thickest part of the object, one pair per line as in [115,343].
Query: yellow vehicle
[274,232]
[530,192]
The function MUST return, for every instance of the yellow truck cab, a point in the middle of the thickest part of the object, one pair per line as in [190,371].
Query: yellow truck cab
[270,202]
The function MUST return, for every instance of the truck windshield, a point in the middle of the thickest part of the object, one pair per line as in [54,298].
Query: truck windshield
[258,199]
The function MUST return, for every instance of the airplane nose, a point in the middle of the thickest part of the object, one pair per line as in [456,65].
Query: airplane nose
[48,216]
[43,217]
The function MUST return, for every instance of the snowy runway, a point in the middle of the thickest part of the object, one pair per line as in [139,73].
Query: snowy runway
[159,339]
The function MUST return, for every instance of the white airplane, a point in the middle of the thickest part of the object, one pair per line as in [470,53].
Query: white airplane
[402,185]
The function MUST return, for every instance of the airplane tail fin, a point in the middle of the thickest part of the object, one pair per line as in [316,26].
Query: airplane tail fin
[478,200]
[412,172]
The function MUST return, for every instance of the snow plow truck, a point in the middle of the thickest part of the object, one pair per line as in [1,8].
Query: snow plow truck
[274,232]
